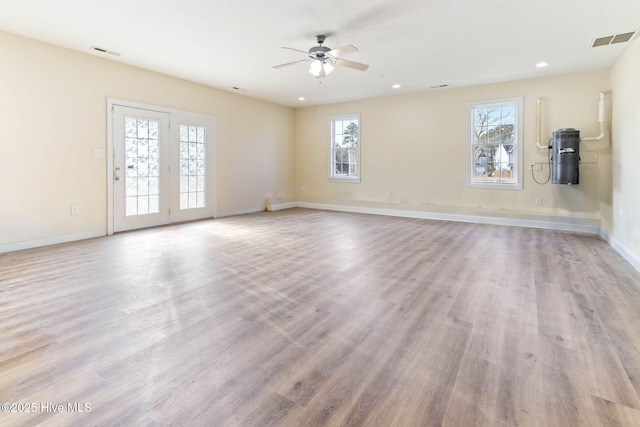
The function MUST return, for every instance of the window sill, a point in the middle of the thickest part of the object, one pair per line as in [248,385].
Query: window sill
[494,186]
[351,180]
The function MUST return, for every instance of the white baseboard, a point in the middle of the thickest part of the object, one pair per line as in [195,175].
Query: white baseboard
[29,244]
[281,206]
[240,212]
[560,226]
[478,219]
[622,250]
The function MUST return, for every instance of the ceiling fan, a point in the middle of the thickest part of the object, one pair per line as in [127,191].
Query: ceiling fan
[323,59]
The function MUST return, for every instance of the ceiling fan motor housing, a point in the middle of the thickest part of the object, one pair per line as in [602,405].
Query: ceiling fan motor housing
[318,52]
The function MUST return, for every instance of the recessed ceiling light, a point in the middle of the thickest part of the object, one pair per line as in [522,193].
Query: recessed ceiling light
[542,64]
[301,98]
[396,86]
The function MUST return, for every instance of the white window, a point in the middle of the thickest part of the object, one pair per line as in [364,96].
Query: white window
[495,143]
[344,157]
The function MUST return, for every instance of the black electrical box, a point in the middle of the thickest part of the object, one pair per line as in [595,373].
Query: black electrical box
[565,157]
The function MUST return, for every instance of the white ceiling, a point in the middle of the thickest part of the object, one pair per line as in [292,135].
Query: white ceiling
[415,43]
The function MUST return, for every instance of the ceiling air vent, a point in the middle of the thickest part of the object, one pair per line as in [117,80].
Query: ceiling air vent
[102,50]
[613,39]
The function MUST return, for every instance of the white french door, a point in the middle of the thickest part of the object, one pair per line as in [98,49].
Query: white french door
[141,160]
[163,167]
[193,166]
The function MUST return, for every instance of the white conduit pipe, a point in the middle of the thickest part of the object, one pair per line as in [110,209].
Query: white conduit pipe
[600,120]
[539,127]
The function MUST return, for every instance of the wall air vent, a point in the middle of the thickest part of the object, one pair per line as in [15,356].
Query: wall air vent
[612,39]
[102,50]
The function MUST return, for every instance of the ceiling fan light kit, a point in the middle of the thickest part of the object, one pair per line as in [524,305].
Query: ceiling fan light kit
[318,68]
[323,58]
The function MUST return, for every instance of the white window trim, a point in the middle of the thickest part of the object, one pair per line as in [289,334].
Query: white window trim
[332,175]
[518,101]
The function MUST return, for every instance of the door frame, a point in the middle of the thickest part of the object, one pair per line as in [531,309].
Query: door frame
[175,116]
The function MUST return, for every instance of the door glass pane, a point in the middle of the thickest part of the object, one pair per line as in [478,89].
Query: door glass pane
[192,167]
[142,189]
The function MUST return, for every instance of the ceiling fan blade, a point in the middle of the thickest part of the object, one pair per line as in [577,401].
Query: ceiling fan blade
[297,50]
[291,63]
[344,50]
[350,64]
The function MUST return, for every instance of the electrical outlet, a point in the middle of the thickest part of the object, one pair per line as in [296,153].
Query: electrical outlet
[98,152]
[75,210]
[538,201]
[532,166]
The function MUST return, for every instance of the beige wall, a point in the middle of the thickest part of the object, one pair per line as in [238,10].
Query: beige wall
[53,110]
[415,146]
[622,221]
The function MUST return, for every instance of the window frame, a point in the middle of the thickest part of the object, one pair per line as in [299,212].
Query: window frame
[518,143]
[332,153]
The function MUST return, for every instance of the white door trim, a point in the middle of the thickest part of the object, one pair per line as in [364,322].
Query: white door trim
[174,114]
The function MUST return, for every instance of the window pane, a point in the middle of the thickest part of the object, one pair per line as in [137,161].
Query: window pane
[508,115]
[153,149]
[505,172]
[154,167]
[132,206]
[143,186]
[143,205]
[143,128]
[154,205]
[494,135]
[142,166]
[154,186]
[192,166]
[153,129]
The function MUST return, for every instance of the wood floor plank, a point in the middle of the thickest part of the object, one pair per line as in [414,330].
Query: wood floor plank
[475,395]
[612,414]
[520,389]
[305,317]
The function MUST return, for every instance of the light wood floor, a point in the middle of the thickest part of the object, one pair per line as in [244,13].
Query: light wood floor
[306,318]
